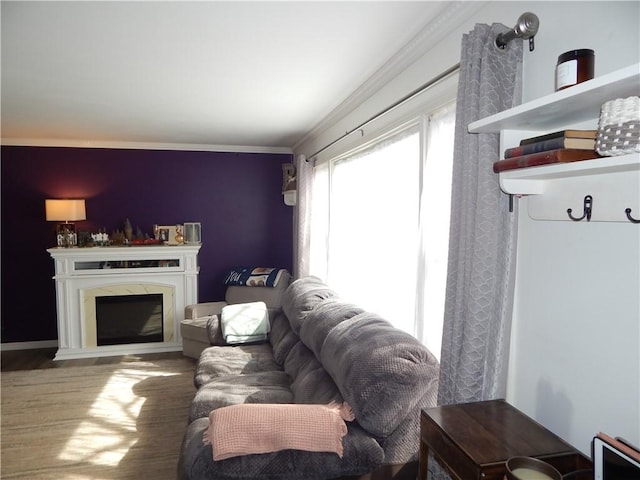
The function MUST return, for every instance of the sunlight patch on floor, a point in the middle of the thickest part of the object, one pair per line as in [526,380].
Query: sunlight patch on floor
[109,430]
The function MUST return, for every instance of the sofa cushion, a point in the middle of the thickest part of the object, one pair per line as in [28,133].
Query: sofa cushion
[282,338]
[314,385]
[362,454]
[310,382]
[301,297]
[242,359]
[403,445]
[382,372]
[214,331]
[324,316]
[261,387]
[300,358]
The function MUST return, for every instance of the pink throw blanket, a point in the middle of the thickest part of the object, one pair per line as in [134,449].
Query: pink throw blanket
[262,428]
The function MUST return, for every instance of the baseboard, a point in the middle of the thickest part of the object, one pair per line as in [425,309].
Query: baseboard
[28,345]
[117,350]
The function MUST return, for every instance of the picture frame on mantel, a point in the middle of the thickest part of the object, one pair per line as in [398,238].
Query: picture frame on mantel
[167,233]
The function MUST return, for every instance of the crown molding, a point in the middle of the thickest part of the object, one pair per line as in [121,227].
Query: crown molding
[449,17]
[43,142]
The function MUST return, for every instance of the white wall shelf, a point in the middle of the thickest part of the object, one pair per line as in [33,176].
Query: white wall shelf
[569,106]
[613,182]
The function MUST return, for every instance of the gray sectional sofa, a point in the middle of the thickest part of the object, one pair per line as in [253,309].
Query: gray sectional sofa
[320,349]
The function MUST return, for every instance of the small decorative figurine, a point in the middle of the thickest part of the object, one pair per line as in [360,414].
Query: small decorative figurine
[179,235]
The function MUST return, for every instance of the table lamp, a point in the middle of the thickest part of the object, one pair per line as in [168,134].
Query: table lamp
[65,211]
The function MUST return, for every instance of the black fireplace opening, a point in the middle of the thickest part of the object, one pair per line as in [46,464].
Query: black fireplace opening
[123,319]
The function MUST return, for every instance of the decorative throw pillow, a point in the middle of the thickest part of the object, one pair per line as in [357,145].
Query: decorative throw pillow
[253,277]
[245,322]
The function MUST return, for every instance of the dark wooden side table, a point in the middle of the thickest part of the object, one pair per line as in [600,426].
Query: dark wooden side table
[474,440]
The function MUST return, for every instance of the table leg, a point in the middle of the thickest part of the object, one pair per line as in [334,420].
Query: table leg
[423,460]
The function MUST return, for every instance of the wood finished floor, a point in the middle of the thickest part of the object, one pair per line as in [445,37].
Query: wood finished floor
[14,360]
[110,418]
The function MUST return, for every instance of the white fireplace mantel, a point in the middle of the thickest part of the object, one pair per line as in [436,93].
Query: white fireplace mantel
[83,273]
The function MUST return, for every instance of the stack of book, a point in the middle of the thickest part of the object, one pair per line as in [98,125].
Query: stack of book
[557,147]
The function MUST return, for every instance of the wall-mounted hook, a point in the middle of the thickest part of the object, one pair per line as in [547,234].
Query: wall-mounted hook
[587,208]
[631,219]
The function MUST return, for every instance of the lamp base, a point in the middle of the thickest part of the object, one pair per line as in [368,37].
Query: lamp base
[66,235]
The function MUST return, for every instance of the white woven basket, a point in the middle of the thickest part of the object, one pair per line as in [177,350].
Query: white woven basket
[619,127]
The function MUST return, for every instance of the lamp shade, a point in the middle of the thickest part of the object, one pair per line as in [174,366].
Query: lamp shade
[65,210]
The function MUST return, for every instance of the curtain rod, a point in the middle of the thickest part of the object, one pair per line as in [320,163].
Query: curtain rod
[391,107]
[526,27]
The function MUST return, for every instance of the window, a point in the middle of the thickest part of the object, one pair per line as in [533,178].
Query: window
[380,224]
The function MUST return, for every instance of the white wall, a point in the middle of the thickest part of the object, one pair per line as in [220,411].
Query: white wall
[575,354]
[575,362]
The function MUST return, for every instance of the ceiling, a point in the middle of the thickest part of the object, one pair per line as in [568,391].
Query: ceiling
[205,73]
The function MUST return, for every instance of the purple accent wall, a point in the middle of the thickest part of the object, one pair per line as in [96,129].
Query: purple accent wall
[236,197]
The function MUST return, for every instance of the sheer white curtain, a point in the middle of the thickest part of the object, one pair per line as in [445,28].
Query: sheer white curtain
[373,227]
[319,235]
[302,217]
[435,206]
[380,224]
